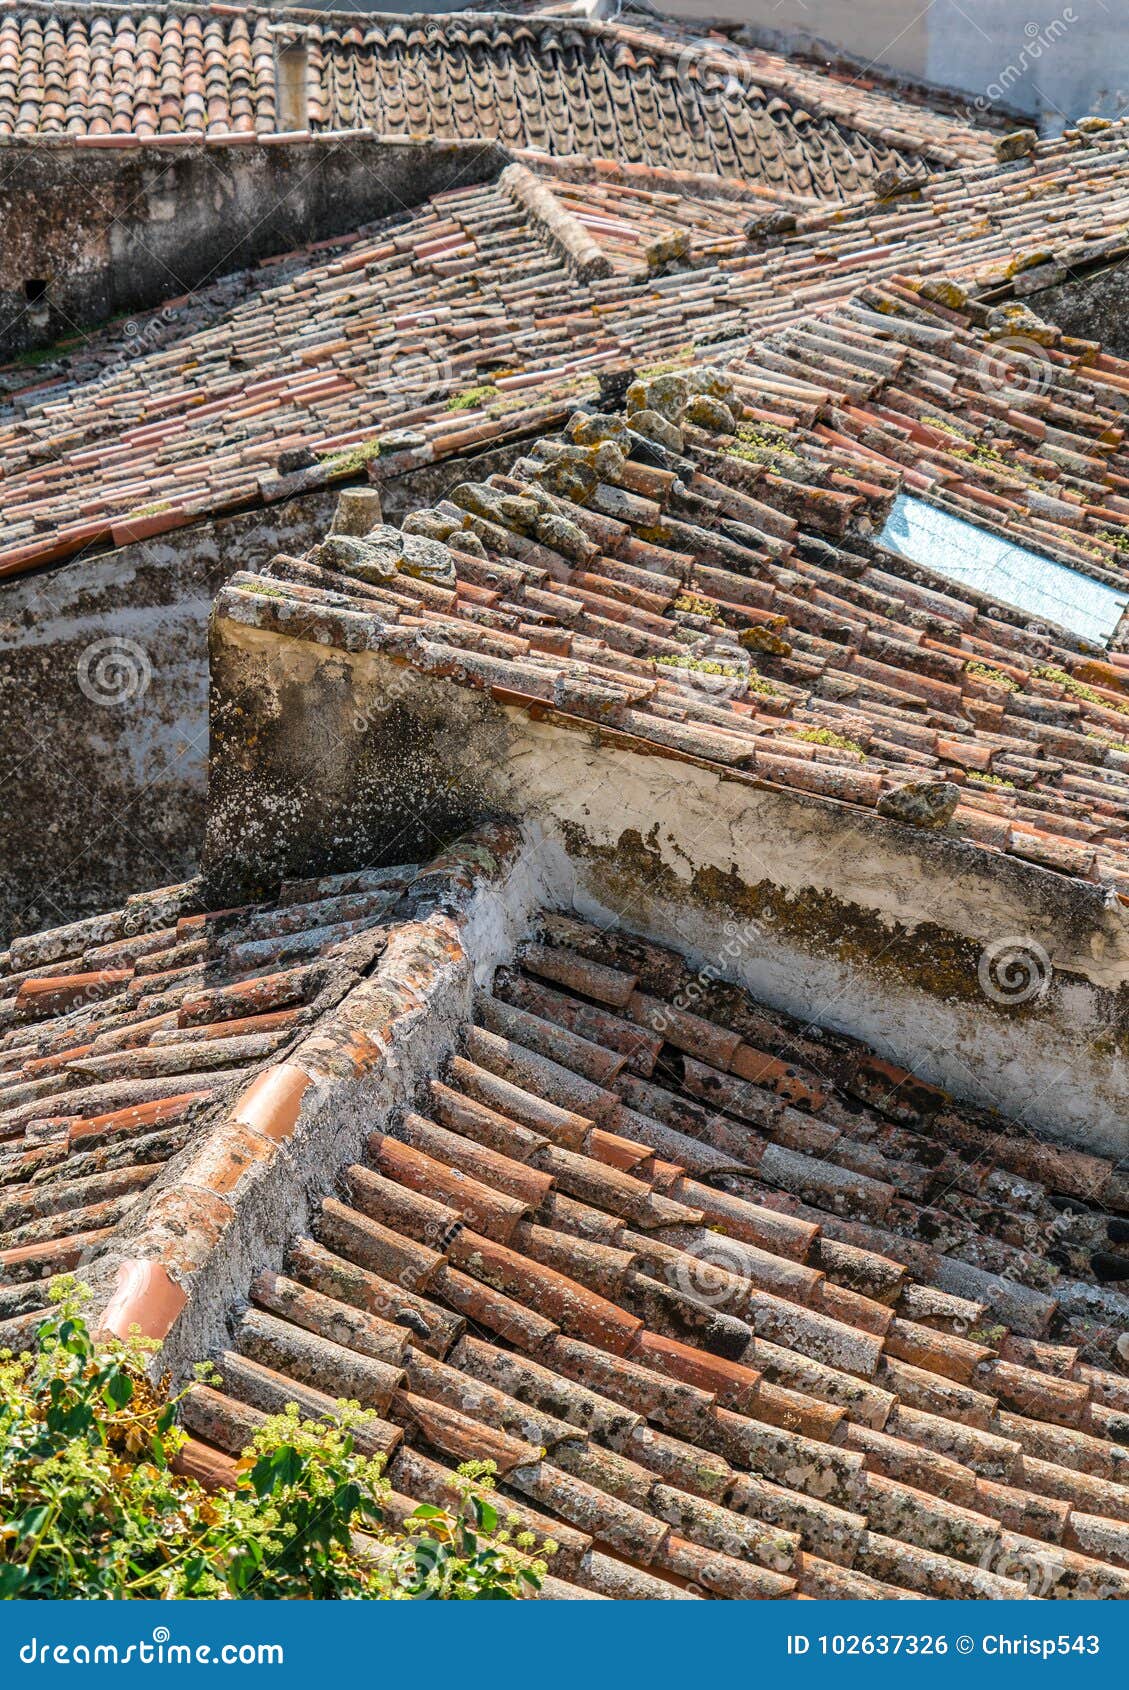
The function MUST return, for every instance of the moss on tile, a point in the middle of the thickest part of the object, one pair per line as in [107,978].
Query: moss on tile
[994,677]
[472,398]
[693,604]
[703,665]
[1079,689]
[353,458]
[763,444]
[827,736]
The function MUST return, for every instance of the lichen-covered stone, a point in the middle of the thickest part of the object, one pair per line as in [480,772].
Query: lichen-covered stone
[592,429]
[944,291]
[1015,321]
[509,510]
[768,226]
[761,638]
[921,803]
[574,472]
[386,552]
[665,394]
[706,412]
[655,427]
[708,379]
[1019,144]
[354,555]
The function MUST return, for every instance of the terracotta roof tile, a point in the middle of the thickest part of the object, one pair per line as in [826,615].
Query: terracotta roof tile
[628,1394]
[590,88]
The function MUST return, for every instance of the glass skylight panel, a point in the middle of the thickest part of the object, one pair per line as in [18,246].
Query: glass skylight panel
[1002,570]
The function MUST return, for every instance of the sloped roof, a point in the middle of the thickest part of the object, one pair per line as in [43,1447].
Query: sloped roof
[727,601]
[119,1035]
[190,412]
[736,1309]
[557,85]
[1033,222]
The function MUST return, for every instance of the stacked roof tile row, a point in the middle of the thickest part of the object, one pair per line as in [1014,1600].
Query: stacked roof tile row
[80,70]
[723,595]
[615,91]
[119,1033]
[669,1271]
[315,357]
[188,416]
[989,412]
[559,86]
[1033,222]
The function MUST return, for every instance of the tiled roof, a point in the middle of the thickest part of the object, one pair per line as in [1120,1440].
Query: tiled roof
[986,410]
[312,353]
[723,596]
[1033,222]
[557,85]
[736,1309]
[120,1033]
[108,70]
[190,412]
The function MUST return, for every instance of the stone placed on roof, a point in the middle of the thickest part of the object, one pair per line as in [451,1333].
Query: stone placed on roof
[721,594]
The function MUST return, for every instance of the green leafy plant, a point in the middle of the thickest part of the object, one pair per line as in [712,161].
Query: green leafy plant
[91,1504]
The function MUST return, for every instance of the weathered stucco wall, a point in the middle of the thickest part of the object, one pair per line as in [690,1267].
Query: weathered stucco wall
[104,700]
[93,231]
[995,979]
[103,713]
